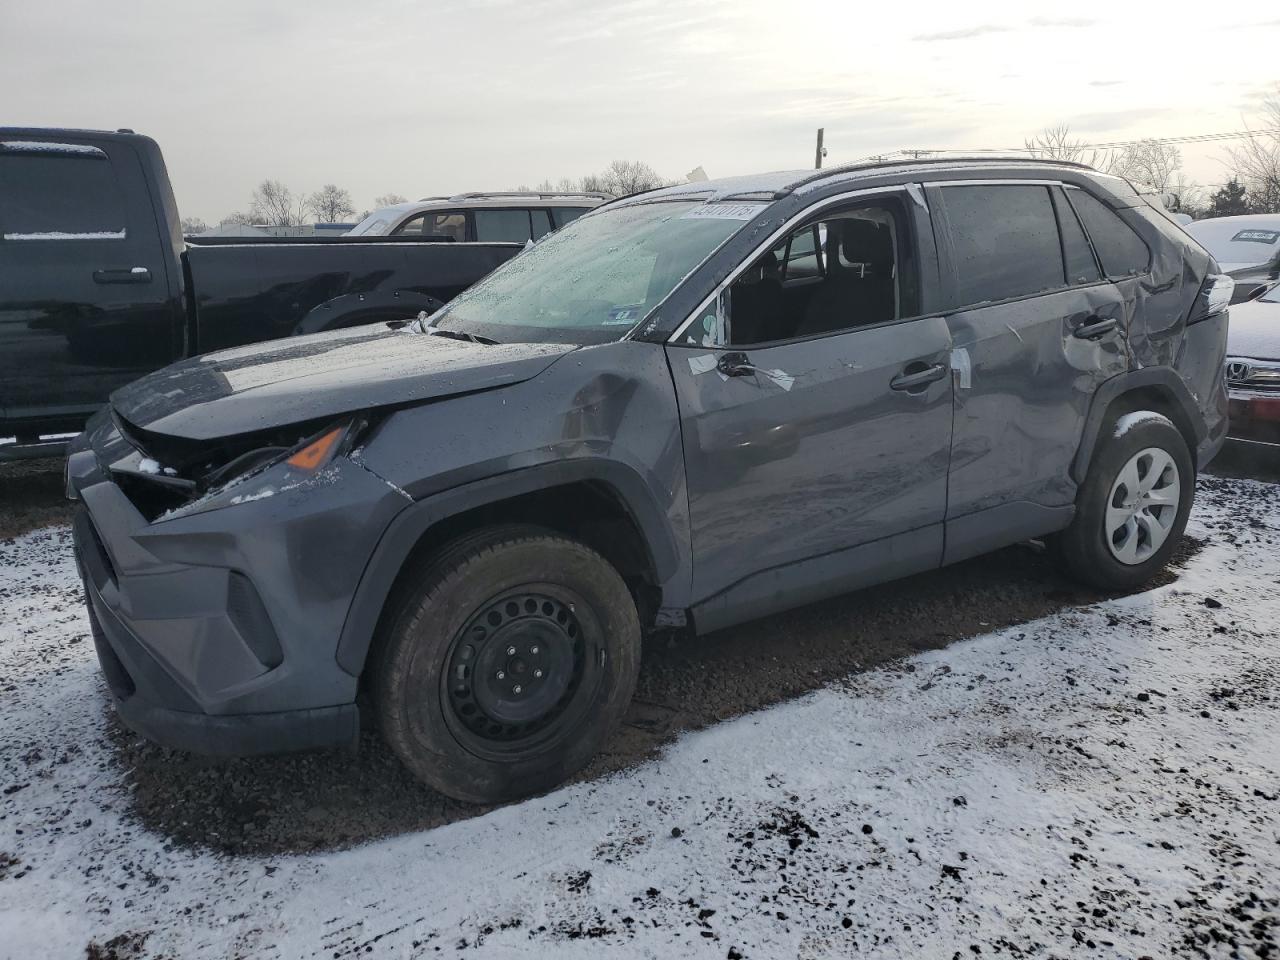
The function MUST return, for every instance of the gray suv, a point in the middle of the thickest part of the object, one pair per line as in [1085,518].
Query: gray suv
[688,408]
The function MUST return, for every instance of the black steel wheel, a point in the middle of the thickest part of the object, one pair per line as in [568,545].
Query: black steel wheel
[492,682]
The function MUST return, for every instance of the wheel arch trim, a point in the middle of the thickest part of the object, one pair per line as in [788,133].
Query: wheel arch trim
[407,529]
[1182,404]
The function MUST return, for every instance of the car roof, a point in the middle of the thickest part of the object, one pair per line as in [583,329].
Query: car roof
[1244,219]
[779,183]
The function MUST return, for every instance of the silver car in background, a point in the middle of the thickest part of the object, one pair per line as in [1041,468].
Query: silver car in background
[1247,247]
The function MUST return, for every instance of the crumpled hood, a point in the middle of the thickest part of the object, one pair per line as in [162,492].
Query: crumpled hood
[1254,330]
[282,382]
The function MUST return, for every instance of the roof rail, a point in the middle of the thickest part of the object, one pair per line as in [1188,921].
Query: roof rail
[940,158]
[524,194]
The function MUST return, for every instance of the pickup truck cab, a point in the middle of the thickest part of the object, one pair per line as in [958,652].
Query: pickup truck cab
[98,285]
[688,408]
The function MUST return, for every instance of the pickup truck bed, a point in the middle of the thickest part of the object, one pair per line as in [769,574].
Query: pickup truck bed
[98,285]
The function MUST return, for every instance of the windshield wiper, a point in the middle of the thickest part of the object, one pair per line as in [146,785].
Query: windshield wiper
[461,335]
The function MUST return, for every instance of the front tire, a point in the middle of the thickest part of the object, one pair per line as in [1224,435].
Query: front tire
[507,661]
[1133,506]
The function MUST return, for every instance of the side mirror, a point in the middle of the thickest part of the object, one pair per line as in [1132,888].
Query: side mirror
[1244,292]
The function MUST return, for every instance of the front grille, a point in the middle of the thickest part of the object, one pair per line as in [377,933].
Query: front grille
[1251,374]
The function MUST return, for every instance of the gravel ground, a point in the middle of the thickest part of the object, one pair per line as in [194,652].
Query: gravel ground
[1101,780]
[325,801]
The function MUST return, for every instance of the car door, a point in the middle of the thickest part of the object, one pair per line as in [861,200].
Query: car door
[85,305]
[816,461]
[1036,328]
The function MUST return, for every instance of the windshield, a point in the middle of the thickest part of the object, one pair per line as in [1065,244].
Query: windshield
[1232,242]
[374,225]
[598,277]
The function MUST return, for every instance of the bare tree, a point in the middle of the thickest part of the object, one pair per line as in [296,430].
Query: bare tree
[192,225]
[387,200]
[237,217]
[275,204]
[331,204]
[1256,162]
[1056,143]
[1187,196]
[1150,163]
[630,176]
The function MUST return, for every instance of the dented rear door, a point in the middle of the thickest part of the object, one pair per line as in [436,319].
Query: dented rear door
[1027,365]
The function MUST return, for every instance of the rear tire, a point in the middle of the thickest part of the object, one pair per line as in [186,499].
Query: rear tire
[508,660]
[1133,506]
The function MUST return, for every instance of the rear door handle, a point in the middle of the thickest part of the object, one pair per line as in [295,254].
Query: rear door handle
[911,379]
[122,275]
[1095,328]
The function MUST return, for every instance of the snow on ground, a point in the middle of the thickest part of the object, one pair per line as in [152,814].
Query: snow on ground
[1103,782]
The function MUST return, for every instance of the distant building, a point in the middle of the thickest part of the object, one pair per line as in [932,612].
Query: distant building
[270,230]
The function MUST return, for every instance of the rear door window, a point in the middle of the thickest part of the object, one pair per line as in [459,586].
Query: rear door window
[541,223]
[502,226]
[1121,250]
[59,195]
[1005,242]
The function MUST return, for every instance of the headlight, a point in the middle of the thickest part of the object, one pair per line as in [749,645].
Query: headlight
[245,479]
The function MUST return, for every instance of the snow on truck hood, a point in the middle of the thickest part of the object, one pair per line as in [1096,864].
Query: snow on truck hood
[325,375]
[1253,330]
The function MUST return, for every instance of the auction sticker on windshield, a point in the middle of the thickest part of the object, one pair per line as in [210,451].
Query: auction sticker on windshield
[1258,236]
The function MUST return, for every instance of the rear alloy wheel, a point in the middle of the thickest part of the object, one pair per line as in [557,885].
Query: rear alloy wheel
[508,659]
[1133,505]
[1143,506]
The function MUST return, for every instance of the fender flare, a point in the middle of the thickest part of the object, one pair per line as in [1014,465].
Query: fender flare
[408,526]
[1111,390]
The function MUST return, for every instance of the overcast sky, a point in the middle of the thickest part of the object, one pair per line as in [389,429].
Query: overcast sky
[434,97]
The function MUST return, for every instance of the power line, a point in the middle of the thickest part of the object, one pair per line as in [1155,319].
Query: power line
[1109,145]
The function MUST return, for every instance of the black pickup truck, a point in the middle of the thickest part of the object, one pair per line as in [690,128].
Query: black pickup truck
[98,285]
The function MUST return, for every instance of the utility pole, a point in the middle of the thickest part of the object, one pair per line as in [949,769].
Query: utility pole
[820,152]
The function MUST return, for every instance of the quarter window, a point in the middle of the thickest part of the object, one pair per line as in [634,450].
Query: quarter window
[502,226]
[52,196]
[1121,250]
[565,215]
[1005,242]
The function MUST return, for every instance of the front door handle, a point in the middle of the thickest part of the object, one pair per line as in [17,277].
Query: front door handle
[914,377]
[735,364]
[1095,328]
[122,275]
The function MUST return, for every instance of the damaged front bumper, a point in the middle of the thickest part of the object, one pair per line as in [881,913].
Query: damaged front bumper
[217,631]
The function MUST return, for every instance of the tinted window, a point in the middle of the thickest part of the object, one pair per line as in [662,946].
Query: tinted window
[541,223]
[502,226]
[46,195]
[564,215]
[1005,240]
[1081,267]
[1121,251]
[435,225]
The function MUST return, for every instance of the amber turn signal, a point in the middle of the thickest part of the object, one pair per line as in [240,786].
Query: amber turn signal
[317,453]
